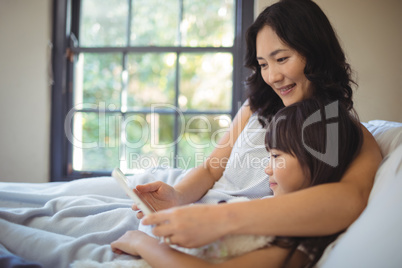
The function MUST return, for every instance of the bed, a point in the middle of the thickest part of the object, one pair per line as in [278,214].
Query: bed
[68,224]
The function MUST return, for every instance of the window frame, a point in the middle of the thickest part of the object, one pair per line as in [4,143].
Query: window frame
[65,26]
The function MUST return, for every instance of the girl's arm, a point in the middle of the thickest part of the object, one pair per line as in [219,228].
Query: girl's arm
[319,210]
[138,243]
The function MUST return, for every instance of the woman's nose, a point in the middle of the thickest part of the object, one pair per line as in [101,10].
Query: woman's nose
[274,75]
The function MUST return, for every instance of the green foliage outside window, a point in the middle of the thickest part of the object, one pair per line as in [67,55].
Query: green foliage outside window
[122,88]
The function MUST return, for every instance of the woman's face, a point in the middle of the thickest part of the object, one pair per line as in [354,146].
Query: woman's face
[285,173]
[282,67]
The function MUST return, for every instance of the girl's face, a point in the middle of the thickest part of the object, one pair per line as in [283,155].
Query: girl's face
[282,67]
[285,173]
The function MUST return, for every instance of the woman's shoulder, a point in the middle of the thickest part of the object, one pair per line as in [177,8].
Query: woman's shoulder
[362,170]
[246,108]
[369,142]
[244,114]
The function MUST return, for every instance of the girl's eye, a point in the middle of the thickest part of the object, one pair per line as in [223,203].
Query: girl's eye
[274,155]
[263,65]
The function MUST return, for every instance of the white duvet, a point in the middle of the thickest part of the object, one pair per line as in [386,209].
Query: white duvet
[56,224]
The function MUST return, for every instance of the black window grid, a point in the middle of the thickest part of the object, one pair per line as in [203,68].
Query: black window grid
[66,14]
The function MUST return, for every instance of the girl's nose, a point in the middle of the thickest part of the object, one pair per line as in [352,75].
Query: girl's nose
[268,168]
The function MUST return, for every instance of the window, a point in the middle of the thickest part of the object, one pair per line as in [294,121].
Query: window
[143,83]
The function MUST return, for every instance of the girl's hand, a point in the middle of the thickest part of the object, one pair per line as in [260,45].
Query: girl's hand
[129,242]
[159,195]
[190,226]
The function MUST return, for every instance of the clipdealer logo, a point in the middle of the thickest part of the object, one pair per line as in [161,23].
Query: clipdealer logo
[331,155]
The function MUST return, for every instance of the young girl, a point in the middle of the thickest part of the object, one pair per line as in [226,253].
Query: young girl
[300,137]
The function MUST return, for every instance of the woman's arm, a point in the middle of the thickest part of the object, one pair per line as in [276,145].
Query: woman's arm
[138,243]
[198,181]
[201,179]
[319,210]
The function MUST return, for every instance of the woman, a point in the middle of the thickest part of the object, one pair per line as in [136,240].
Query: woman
[294,54]
[291,168]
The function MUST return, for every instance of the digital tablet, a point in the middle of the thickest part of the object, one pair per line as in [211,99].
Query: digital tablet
[141,203]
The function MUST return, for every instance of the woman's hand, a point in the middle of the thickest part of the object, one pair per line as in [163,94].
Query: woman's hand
[159,195]
[129,242]
[190,226]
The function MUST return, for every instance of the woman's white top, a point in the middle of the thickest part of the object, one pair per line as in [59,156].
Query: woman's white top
[244,175]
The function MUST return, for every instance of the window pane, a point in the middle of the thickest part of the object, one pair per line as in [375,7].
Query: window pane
[206,81]
[201,135]
[151,79]
[103,23]
[96,141]
[154,23]
[98,79]
[149,141]
[208,23]
[122,82]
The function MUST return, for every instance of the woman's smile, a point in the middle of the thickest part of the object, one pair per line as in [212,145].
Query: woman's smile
[286,89]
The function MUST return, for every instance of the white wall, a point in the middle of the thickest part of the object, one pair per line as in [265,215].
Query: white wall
[370,30]
[371,34]
[25,30]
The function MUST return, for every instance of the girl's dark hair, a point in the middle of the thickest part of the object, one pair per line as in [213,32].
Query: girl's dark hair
[303,26]
[325,138]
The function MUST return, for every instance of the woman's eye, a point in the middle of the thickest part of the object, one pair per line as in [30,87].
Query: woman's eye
[282,59]
[263,65]
[274,155]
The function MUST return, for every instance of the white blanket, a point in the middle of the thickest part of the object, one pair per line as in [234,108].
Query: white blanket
[55,224]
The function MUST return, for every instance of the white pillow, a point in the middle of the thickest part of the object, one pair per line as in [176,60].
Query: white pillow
[387,134]
[375,238]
